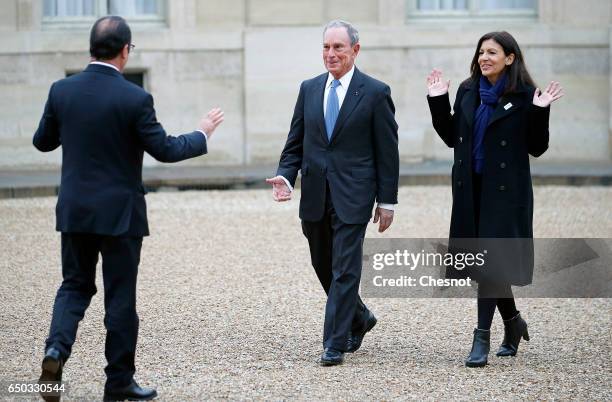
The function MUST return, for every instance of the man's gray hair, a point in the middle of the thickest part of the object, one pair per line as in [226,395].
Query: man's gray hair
[350,29]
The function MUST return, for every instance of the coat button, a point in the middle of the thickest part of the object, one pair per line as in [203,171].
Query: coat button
[502,165]
[460,162]
[459,183]
[503,143]
[460,139]
[502,188]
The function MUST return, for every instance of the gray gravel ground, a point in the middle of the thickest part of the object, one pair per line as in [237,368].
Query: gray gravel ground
[231,309]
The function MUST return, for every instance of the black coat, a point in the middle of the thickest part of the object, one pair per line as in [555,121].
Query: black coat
[516,130]
[360,163]
[104,123]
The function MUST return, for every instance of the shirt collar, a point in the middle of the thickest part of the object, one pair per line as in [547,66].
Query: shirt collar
[345,80]
[101,63]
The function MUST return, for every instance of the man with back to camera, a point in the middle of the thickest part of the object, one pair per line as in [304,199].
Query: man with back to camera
[343,138]
[104,124]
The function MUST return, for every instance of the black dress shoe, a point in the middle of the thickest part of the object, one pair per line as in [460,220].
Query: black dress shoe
[331,357]
[52,366]
[131,392]
[355,339]
[480,349]
[514,329]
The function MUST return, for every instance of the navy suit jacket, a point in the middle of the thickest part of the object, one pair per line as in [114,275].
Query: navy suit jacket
[360,162]
[104,123]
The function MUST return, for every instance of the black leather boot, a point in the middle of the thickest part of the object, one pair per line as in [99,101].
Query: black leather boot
[480,348]
[514,329]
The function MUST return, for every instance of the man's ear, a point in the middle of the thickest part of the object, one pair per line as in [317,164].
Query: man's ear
[125,51]
[356,48]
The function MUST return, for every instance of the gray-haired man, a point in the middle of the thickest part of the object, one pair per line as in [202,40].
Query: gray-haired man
[343,138]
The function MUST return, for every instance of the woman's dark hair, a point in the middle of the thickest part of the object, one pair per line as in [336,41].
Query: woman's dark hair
[517,71]
[108,37]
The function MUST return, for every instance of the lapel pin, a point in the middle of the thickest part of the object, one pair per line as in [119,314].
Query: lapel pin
[508,106]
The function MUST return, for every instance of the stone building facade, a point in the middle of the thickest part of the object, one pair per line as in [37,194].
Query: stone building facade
[249,57]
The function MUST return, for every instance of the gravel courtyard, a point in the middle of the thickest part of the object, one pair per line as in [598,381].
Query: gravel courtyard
[230,308]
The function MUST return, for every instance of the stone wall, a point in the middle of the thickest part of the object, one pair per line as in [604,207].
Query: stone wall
[249,57]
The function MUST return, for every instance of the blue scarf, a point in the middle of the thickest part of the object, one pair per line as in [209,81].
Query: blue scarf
[489,97]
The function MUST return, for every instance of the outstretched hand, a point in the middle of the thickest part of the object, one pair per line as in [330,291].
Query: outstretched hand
[552,92]
[280,191]
[436,86]
[211,121]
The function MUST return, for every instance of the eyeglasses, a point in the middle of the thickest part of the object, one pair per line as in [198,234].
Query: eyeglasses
[131,47]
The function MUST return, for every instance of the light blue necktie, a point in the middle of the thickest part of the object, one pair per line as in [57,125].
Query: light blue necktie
[332,110]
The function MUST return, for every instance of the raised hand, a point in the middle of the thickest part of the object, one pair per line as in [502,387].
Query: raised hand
[280,191]
[209,123]
[552,92]
[436,86]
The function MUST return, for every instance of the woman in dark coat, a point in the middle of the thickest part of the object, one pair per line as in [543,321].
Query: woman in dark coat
[499,119]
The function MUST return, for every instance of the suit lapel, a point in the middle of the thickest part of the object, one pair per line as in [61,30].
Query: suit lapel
[318,105]
[354,94]
[506,106]
[469,104]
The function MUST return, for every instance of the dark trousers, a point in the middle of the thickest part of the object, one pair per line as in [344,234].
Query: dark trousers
[504,301]
[120,258]
[336,251]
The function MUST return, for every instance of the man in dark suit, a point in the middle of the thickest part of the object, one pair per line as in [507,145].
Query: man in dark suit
[343,138]
[104,124]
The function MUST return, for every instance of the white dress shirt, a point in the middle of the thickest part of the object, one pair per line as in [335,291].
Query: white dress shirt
[101,63]
[345,80]
[341,89]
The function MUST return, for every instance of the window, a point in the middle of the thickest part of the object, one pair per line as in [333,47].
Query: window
[135,78]
[82,13]
[471,8]
[69,8]
[437,5]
